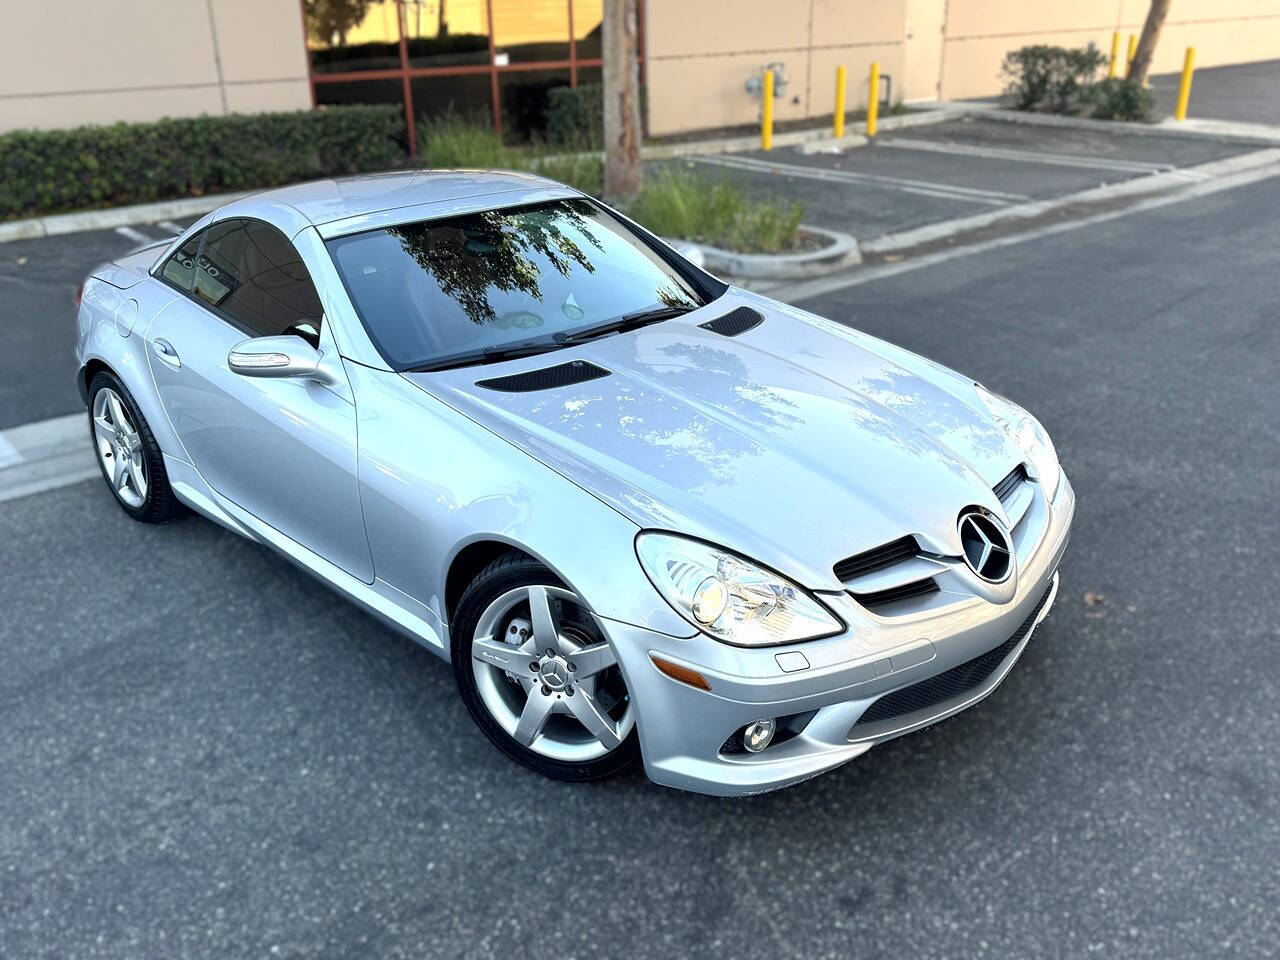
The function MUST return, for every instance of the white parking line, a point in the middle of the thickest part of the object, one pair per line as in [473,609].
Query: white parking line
[1025,156]
[46,454]
[137,236]
[172,227]
[926,188]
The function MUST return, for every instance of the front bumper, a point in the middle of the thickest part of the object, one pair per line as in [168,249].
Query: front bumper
[682,729]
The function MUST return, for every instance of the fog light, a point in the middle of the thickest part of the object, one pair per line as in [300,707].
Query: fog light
[758,735]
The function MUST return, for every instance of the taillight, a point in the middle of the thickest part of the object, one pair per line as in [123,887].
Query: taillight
[79,295]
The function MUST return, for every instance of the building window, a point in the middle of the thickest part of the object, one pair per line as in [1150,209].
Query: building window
[492,59]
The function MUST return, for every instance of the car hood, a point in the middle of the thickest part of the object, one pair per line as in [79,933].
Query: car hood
[797,444]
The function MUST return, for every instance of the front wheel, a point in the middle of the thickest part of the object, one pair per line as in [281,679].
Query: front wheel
[538,676]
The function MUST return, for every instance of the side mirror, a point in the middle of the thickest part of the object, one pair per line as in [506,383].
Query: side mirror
[277,357]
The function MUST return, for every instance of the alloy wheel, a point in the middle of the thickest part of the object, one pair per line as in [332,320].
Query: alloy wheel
[120,448]
[547,676]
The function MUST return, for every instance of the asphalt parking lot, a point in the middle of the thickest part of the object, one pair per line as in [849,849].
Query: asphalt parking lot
[208,755]
[1244,92]
[920,175]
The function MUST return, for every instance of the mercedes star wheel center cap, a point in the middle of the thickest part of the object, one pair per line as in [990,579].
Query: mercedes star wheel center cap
[554,673]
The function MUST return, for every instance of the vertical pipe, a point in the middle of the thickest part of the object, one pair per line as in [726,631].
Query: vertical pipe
[766,114]
[1133,51]
[1115,53]
[1184,88]
[873,101]
[839,117]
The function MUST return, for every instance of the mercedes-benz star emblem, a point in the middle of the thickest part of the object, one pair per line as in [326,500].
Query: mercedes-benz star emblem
[986,546]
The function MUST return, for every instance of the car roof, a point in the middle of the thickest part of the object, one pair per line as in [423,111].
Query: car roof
[345,204]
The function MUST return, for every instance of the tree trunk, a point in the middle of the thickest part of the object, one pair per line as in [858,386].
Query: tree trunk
[1147,42]
[623,174]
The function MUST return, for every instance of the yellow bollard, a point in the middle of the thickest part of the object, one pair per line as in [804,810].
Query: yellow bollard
[1184,88]
[1133,51]
[840,85]
[1115,53]
[766,115]
[873,102]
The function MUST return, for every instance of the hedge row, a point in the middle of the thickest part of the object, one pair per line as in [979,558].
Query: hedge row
[575,116]
[48,171]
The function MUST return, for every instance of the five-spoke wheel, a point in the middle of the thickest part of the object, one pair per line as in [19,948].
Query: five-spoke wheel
[119,448]
[128,454]
[539,676]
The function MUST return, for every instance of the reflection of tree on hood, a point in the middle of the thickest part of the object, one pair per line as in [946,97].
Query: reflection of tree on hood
[495,248]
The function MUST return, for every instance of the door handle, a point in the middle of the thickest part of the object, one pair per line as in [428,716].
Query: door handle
[164,350]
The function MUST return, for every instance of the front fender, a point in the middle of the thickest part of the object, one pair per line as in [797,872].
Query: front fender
[432,482]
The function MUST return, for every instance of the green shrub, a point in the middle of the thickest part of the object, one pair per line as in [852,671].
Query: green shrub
[676,204]
[1049,78]
[681,206]
[575,116]
[1117,98]
[455,142]
[47,171]
[582,171]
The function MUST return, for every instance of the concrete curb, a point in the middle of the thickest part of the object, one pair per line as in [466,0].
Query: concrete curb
[60,223]
[1243,133]
[1138,186]
[841,252]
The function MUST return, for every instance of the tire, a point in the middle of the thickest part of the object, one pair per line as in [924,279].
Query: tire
[150,500]
[555,751]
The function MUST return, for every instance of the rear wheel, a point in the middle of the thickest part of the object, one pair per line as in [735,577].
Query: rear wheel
[538,676]
[127,452]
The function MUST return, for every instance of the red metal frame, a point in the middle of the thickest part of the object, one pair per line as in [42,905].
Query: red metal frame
[406,74]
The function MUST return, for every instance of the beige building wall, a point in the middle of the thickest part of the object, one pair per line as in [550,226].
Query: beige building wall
[978,33]
[95,61]
[702,52]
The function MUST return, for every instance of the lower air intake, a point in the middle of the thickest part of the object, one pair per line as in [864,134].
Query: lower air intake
[952,683]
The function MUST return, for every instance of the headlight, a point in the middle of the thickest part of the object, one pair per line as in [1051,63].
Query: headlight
[1025,431]
[728,597]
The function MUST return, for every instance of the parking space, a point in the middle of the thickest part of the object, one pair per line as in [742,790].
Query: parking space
[924,175]
[38,283]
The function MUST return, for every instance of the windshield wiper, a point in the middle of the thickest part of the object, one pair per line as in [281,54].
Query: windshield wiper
[488,355]
[628,321]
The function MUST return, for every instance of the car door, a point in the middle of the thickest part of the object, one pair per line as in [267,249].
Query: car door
[284,450]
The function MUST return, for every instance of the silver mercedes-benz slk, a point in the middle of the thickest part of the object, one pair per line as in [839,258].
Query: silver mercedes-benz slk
[640,511]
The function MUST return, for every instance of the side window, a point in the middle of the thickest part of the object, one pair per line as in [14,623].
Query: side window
[179,270]
[249,271]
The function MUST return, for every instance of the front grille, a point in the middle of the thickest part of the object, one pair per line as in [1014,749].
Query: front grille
[952,683]
[1010,483]
[904,548]
[921,588]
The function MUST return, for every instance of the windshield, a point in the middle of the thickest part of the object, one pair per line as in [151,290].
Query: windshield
[482,283]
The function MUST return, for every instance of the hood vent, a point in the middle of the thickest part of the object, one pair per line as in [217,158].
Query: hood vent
[548,378]
[736,321]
